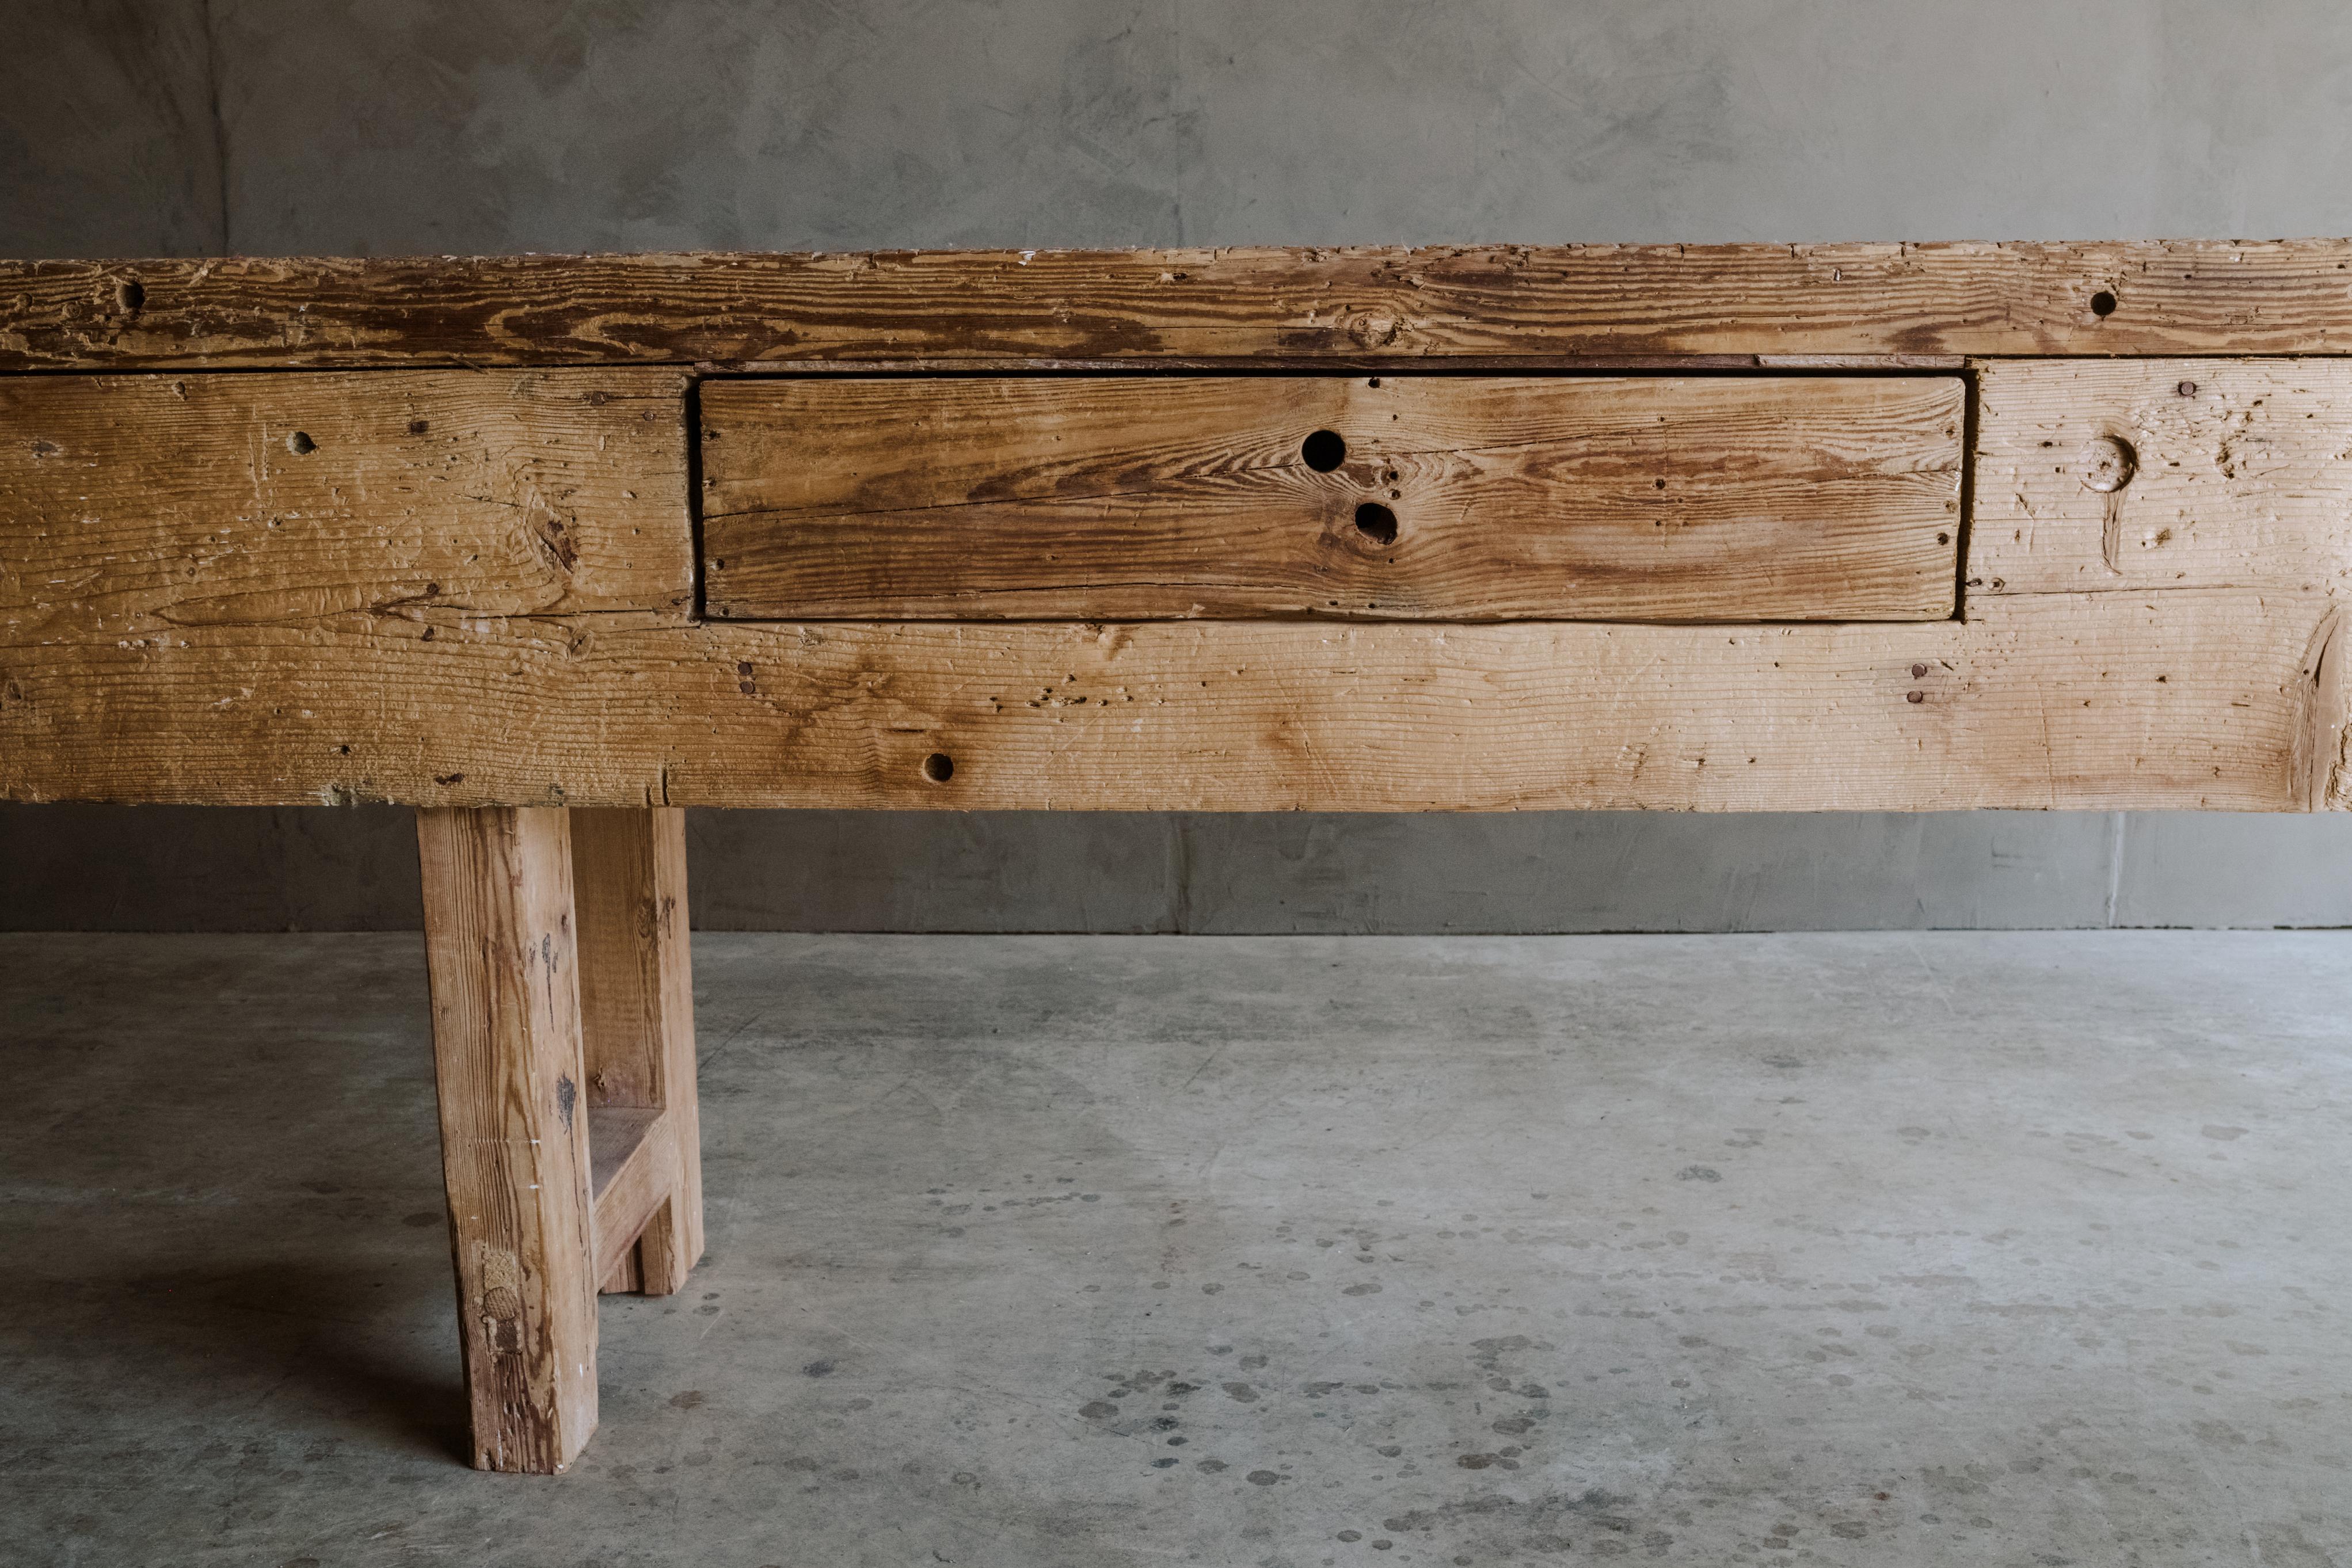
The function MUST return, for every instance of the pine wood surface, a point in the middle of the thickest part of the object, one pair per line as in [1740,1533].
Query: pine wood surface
[636,1154]
[1372,306]
[514,1127]
[496,609]
[636,1002]
[1426,498]
[2183,698]
[145,503]
[2242,476]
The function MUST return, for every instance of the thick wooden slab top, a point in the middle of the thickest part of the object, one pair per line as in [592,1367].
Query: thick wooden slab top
[467,567]
[1502,304]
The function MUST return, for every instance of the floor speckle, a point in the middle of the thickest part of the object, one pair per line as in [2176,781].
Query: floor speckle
[1094,1252]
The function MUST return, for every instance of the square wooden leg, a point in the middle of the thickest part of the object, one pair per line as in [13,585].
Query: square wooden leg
[637,994]
[499,950]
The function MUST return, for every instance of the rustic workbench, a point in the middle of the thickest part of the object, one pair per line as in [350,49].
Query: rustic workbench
[550,547]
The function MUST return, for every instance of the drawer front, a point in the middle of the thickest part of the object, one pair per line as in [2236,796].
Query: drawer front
[1647,498]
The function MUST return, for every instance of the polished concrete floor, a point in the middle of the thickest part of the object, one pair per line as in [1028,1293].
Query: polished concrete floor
[1913,1249]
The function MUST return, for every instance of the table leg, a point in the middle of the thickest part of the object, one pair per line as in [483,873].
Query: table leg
[637,994]
[499,951]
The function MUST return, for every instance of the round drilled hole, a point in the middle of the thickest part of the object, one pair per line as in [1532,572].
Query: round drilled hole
[2103,303]
[300,444]
[1376,523]
[1324,451]
[938,767]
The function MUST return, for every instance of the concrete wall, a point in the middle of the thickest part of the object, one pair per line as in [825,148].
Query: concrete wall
[153,127]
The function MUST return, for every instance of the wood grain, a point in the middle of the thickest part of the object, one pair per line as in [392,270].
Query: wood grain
[616,1135]
[1637,498]
[636,998]
[2326,758]
[1370,306]
[514,1129]
[138,505]
[2242,476]
[2181,700]
[635,1155]
[627,1277]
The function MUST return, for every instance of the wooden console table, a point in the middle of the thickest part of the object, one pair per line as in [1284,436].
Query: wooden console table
[550,547]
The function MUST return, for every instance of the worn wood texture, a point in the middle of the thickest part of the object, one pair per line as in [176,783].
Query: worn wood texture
[637,995]
[616,1134]
[627,1278]
[136,506]
[1266,306]
[514,1131]
[1570,497]
[2326,757]
[635,1152]
[2225,474]
[2184,699]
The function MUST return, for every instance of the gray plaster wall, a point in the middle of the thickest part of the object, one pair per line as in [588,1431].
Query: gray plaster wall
[149,127]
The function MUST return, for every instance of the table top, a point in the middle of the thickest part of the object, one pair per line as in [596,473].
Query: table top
[1488,528]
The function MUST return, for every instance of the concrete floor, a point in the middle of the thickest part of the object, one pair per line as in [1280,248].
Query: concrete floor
[1981,1249]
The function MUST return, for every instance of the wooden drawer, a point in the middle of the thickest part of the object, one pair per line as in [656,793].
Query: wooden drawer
[1698,497]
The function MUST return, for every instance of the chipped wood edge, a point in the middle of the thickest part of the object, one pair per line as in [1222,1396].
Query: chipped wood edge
[2323,760]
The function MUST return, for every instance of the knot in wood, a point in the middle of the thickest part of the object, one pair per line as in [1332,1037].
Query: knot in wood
[2109,464]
